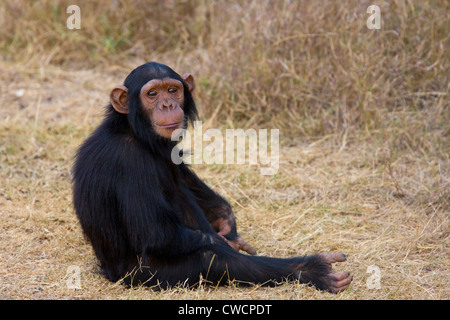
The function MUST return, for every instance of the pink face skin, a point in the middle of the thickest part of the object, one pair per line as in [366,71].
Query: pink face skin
[163,102]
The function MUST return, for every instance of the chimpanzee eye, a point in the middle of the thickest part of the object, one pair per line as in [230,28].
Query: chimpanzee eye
[172,90]
[152,93]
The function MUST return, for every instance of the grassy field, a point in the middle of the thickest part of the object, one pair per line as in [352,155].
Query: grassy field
[364,119]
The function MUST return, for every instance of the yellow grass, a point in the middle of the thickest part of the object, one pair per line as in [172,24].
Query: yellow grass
[364,127]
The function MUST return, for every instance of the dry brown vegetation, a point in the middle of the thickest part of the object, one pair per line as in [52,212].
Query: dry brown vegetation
[363,114]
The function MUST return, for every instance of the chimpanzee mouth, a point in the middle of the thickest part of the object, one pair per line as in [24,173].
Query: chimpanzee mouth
[170,126]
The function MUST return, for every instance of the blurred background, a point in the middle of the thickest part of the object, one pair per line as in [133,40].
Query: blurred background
[312,67]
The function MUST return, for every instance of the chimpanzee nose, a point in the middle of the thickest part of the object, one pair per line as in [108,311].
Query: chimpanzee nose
[167,105]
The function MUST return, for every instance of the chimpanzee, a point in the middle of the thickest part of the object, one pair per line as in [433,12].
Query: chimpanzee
[154,222]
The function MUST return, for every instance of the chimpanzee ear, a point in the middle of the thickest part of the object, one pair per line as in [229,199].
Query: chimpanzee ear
[118,97]
[189,80]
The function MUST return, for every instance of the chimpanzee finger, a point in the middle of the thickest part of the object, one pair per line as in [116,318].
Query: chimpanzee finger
[245,246]
[342,284]
[334,257]
[341,275]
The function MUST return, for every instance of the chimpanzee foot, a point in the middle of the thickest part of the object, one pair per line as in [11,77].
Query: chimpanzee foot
[336,282]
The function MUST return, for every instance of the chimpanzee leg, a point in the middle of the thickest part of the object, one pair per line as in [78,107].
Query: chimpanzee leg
[222,264]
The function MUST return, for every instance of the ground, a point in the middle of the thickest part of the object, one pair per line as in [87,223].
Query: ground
[387,209]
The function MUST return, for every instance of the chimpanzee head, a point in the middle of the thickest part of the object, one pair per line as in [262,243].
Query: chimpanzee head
[156,100]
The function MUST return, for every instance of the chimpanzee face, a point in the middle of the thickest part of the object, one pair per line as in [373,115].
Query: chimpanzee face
[162,101]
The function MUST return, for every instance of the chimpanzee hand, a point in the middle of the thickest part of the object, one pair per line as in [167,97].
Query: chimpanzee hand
[240,244]
[318,271]
[225,227]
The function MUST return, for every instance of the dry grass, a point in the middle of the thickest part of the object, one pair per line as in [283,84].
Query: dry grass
[363,115]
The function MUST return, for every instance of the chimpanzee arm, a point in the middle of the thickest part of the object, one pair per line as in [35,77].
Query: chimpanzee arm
[152,227]
[216,209]
[150,223]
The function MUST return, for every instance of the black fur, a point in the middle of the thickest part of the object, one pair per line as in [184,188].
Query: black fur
[149,220]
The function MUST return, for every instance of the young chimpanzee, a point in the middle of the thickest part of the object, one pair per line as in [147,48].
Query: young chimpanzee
[154,222]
